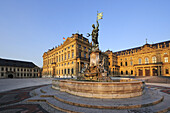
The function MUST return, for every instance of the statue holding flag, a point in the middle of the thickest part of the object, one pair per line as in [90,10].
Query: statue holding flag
[95,31]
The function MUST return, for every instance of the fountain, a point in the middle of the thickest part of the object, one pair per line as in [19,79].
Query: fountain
[94,81]
[104,93]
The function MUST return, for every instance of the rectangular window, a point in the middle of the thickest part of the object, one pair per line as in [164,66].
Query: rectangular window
[2,69]
[73,54]
[68,47]
[84,48]
[166,59]
[79,46]
[167,71]
[72,45]
[68,55]
[154,59]
[131,63]
[62,57]
[84,55]
[79,54]
[65,57]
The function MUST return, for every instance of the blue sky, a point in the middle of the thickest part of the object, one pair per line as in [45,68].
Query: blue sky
[28,28]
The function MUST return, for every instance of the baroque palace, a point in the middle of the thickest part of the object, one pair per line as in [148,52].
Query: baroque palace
[18,69]
[69,58]
[147,60]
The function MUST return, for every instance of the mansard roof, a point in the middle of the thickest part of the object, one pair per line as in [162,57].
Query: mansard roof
[16,63]
[139,48]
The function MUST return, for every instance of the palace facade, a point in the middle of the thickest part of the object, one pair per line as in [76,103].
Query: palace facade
[18,69]
[68,58]
[147,60]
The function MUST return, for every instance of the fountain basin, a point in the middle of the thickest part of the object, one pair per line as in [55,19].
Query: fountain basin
[125,88]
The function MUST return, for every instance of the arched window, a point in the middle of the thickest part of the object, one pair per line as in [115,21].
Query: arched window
[121,72]
[167,71]
[125,63]
[140,61]
[72,71]
[154,59]
[146,60]
[68,71]
[64,71]
[126,72]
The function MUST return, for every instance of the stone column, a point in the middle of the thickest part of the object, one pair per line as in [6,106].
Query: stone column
[143,71]
[75,68]
[137,74]
[79,66]
[158,70]
[151,71]
[134,71]
[113,71]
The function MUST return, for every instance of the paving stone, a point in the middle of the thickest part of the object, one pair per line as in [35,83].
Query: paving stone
[150,96]
[147,98]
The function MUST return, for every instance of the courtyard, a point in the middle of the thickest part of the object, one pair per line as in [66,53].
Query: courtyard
[16,96]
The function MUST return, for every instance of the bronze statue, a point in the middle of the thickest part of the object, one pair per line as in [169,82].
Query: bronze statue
[95,31]
[95,34]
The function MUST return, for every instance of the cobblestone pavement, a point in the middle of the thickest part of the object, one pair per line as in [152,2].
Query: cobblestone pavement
[161,88]
[13,101]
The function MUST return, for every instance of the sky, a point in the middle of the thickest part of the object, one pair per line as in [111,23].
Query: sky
[28,28]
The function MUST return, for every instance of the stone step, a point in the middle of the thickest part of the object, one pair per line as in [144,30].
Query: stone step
[69,103]
[150,97]
[158,108]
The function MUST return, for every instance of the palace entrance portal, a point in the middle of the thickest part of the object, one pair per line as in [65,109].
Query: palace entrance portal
[10,76]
